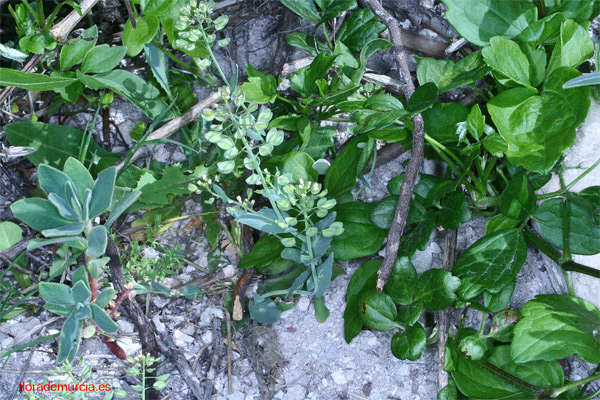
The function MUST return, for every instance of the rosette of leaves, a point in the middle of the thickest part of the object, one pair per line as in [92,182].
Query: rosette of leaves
[74,201]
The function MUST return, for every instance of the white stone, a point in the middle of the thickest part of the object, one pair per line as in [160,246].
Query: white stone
[158,324]
[211,312]
[207,337]
[188,329]
[338,377]
[303,303]
[125,326]
[181,339]
[324,382]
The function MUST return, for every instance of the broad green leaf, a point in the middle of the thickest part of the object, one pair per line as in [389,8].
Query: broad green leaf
[304,8]
[81,293]
[135,89]
[39,214]
[10,234]
[441,119]
[378,311]
[105,297]
[409,344]
[490,263]
[70,337]
[37,43]
[305,80]
[103,321]
[573,47]
[360,238]
[383,213]
[583,221]
[55,143]
[102,58]
[102,192]
[159,64]
[73,53]
[262,220]
[135,39]
[423,98]
[480,20]
[508,62]
[343,173]
[65,230]
[296,163]
[158,8]
[425,183]
[454,210]
[540,374]
[436,288]
[402,282]
[324,272]
[264,311]
[173,183]
[306,42]
[541,30]
[448,74]
[321,310]
[80,175]
[410,313]
[494,302]
[590,79]
[475,347]
[417,237]
[553,327]
[320,141]
[359,29]
[538,129]
[333,8]
[122,204]
[54,181]
[364,278]
[476,122]
[12,54]
[260,87]
[518,199]
[56,293]
[503,325]
[266,250]
[32,81]
[579,10]
[97,241]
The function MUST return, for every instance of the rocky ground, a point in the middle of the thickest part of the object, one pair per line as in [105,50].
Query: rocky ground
[298,357]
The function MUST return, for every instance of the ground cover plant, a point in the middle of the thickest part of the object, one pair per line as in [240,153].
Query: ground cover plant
[260,154]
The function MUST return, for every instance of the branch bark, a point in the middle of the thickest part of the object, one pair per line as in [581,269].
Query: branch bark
[416,159]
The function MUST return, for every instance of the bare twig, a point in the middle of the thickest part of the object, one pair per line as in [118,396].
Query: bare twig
[8,256]
[175,124]
[442,324]
[416,158]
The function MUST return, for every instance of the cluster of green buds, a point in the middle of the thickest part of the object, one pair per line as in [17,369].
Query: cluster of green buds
[196,29]
[241,131]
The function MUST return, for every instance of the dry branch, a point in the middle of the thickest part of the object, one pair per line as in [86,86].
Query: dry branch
[416,159]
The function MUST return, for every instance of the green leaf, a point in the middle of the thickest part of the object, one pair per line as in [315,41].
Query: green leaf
[81,293]
[102,58]
[583,80]
[541,30]
[441,119]
[448,75]
[402,281]
[158,8]
[31,81]
[417,237]
[161,192]
[498,301]
[102,192]
[536,128]
[122,204]
[333,8]
[264,311]
[583,221]
[518,199]
[359,29]
[159,64]
[573,47]
[39,214]
[423,98]
[378,311]
[80,175]
[360,238]
[97,241]
[579,10]
[490,263]
[343,172]
[73,53]
[37,43]
[304,8]
[70,337]
[306,42]
[503,325]
[105,297]
[305,80]
[480,20]
[410,313]
[321,310]
[266,250]
[476,122]
[384,211]
[409,344]
[55,143]
[141,93]
[296,163]
[509,63]
[553,327]
[56,293]
[103,321]
[425,183]
[324,272]
[135,39]
[454,210]
[363,279]
[436,288]
[10,234]
[12,54]
[475,347]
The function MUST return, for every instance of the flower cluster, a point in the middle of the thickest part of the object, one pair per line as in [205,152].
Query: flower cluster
[195,28]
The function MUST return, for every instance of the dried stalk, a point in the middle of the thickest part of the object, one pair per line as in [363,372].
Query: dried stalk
[443,316]
[416,159]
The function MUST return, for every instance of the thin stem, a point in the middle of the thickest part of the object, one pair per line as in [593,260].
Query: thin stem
[327,37]
[483,319]
[570,185]
[558,391]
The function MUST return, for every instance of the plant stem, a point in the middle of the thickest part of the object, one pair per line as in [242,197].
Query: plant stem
[541,5]
[558,391]
[174,58]
[509,378]
[570,185]
[327,37]
[555,255]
